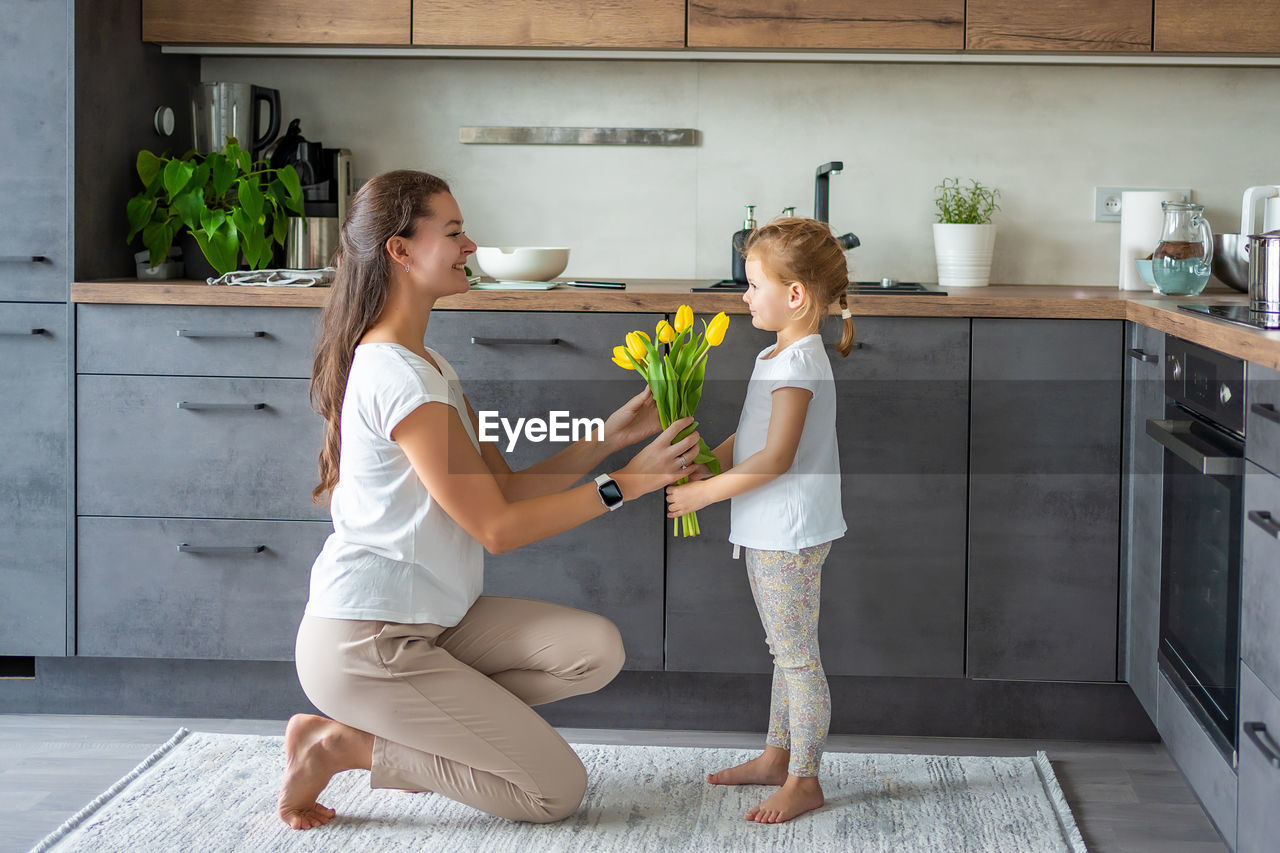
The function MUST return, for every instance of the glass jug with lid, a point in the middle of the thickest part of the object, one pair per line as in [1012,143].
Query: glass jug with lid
[1181,261]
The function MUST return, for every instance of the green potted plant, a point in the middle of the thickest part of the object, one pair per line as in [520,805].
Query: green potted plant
[233,207]
[964,237]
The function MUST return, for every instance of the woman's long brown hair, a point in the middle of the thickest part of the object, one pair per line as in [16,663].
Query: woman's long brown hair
[389,205]
[803,250]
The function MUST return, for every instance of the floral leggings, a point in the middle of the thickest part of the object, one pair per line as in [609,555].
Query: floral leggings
[786,588]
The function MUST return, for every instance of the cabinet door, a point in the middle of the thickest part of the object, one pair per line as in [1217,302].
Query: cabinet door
[550,23]
[275,22]
[1260,576]
[1258,823]
[613,564]
[1140,534]
[1225,26]
[1044,499]
[893,587]
[1073,25]
[34,66]
[829,24]
[1262,420]
[193,588]
[33,474]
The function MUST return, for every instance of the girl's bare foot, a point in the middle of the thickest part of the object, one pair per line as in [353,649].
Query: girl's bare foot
[799,794]
[767,768]
[315,749]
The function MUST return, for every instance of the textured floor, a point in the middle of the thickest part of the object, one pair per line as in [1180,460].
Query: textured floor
[1126,797]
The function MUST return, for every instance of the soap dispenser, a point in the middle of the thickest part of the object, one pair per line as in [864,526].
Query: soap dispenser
[740,240]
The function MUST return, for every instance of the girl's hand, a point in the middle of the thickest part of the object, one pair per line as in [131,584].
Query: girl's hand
[682,500]
[635,420]
[659,462]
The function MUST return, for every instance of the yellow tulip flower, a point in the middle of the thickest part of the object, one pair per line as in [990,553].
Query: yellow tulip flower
[716,329]
[666,334]
[684,318]
[634,344]
[620,358]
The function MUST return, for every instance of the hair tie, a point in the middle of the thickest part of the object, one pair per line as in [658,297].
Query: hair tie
[844,314]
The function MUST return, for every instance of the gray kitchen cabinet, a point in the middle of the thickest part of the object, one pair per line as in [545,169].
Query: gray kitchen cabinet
[193,588]
[33,473]
[1260,576]
[1044,499]
[893,587]
[1141,511]
[1195,752]
[197,447]
[1257,818]
[34,99]
[1262,418]
[183,340]
[508,364]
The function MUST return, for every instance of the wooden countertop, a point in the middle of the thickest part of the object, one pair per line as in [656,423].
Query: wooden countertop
[666,295]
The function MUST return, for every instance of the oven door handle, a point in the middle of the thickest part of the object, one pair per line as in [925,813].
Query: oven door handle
[1170,434]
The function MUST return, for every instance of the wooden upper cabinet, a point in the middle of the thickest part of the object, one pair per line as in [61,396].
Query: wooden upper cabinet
[881,25]
[369,22]
[550,23]
[1059,25]
[1224,26]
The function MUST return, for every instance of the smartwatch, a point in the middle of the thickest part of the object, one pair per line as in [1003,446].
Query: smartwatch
[610,492]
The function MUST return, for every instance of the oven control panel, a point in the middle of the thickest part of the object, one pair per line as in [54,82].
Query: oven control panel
[1208,383]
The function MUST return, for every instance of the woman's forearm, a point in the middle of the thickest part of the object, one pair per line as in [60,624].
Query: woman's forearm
[555,473]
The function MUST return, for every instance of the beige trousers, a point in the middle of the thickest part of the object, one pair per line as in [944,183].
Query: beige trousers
[449,708]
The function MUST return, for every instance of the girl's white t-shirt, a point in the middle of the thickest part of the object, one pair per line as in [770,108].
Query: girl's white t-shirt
[801,507]
[395,555]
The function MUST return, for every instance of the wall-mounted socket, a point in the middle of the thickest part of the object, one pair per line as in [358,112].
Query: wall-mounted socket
[1107,200]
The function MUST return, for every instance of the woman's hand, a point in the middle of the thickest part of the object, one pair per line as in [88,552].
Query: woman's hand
[687,498]
[660,462]
[635,420]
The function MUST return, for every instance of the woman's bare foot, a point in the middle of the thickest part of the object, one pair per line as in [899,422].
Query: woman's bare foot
[315,749]
[799,794]
[767,768]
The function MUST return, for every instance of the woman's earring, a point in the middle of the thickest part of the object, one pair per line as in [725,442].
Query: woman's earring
[406,267]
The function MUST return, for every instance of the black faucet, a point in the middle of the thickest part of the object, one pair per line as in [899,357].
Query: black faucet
[822,200]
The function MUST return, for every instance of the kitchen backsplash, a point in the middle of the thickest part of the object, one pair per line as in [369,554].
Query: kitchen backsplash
[1043,135]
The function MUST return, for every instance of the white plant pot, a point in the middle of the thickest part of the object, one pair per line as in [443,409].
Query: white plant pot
[964,254]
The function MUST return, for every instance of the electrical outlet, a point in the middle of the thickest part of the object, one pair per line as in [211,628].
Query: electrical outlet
[1107,201]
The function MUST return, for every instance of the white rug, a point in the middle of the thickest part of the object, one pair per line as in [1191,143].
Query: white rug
[216,792]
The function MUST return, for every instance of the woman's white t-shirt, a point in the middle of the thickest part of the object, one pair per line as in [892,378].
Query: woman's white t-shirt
[395,555]
[801,507]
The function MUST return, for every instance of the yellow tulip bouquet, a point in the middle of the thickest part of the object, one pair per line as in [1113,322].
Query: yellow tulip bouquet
[675,378]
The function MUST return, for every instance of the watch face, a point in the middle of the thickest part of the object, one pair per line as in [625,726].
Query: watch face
[610,493]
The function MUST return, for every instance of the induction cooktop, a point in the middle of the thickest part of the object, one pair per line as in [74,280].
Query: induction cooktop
[885,286]
[1242,314]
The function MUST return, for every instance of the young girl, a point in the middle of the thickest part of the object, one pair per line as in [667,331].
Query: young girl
[785,489]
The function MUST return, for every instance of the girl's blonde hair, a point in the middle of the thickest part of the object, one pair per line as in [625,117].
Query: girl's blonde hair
[804,251]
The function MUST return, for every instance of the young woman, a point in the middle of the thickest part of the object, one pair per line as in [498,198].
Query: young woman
[427,683]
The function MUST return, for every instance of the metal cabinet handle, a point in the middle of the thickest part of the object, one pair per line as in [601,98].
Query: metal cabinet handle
[1143,356]
[222,407]
[1263,519]
[1266,410]
[221,550]
[542,342]
[191,333]
[857,345]
[24,259]
[1258,731]
[1168,433]
[25,332]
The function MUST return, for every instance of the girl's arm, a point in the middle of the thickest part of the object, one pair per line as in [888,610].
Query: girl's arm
[435,439]
[786,423]
[634,420]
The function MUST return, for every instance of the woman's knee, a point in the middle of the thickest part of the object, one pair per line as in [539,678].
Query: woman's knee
[605,651]
[563,784]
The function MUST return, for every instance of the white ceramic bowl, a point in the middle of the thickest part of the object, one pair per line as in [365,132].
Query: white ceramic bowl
[522,263]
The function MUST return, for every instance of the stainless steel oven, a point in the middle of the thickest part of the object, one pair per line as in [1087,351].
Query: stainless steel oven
[1202,433]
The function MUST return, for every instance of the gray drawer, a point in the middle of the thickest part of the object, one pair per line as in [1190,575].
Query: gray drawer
[33,479]
[172,340]
[584,348]
[1260,576]
[1262,418]
[138,453]
[1258,819]
[140,596]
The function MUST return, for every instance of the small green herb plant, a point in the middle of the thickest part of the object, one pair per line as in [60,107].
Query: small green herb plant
[961,205]
[232,205]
